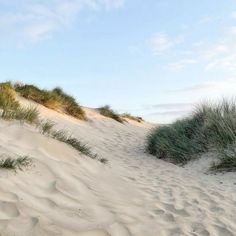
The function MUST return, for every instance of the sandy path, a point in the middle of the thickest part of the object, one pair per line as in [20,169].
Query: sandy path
[134,194]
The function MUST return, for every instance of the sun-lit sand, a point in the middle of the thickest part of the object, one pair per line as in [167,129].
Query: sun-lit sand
[65,193]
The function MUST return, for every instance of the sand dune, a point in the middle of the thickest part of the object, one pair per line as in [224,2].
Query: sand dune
[65,193]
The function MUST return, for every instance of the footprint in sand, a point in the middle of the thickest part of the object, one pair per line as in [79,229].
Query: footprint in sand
[171,208]
[199,230]
[97,232]
[8,210]
[8,197]
[118,229]
[29,226]
[220,231]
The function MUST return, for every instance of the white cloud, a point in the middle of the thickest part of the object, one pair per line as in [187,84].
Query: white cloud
[212,56]
[168,112]
[210,89]
[162,42]
[36,21]
[206,19]
[234,14]
[181,64]
[232,30]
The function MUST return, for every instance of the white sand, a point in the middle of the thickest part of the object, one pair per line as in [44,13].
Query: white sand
[65,193]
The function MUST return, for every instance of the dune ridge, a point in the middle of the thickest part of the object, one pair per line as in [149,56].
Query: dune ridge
[63,193]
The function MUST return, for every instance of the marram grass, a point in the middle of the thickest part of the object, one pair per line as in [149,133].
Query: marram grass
[108,112]
[211,127]
[18,163]
[55,99]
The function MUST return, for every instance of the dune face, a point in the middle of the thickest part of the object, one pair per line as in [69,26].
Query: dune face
[68,194]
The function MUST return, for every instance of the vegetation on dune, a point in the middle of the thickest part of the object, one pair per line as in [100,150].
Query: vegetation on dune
[225,163]
[108,112]
[55,99]
[11,110]
[10,107]
[131,117]
[63,136]
[15,163]
[7,98]
[46,126]
[211,127]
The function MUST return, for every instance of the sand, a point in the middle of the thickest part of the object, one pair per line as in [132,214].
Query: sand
[66,193]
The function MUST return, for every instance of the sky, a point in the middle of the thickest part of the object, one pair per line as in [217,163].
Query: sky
[152,58]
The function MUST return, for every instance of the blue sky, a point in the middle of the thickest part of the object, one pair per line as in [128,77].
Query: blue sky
[154,58]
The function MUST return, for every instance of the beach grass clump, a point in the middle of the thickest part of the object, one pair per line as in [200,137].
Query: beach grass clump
[55,99]
[108,112]
[211,127]
[28,114]
[131,117]
[225,164]
[178,142]
[18,163]
[8,101]
[65,137]
[10,107]
[46,126]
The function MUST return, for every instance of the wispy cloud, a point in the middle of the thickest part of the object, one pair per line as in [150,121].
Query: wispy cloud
[171,106]
[209,88]
[211,56]
[33,21]
[162,42]
[233,14]
[181,64]
[168,112]
[175,113]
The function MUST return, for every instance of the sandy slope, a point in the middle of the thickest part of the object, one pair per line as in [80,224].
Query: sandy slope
[65,193]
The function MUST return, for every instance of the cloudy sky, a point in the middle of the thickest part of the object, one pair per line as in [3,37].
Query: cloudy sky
[154,58]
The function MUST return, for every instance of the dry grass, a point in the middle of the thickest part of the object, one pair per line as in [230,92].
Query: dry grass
[10,107]
[108,112]
[131,117]
[55,99]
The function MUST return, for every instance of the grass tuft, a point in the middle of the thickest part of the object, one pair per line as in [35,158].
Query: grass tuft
[64,137]
[10,107]
[46,126]
[225,164]
[15,164]
[131,117]
[7,98]
[55,99]
[108,112]
[211,127]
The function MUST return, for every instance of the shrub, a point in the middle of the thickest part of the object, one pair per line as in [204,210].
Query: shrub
[14,164]
[211,127]
[55,99]
[135,118]
[108,112]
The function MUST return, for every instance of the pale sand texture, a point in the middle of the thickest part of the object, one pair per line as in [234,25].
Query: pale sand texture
[65,193]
